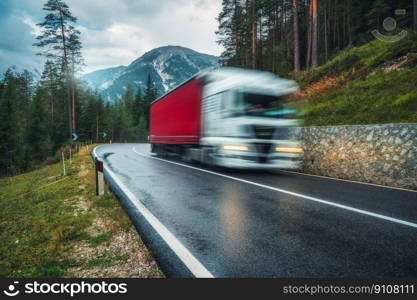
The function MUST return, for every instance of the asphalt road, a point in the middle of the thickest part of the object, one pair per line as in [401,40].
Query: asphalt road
[202,221]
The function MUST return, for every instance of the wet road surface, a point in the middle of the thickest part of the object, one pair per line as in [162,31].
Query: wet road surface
[263,224]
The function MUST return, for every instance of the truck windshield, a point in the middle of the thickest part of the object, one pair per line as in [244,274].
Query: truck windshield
[263,106]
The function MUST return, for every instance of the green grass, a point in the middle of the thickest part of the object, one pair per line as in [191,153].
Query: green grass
[382,98]
[106,259]
[38,224]
[364,94]
[42,223]
[100,239]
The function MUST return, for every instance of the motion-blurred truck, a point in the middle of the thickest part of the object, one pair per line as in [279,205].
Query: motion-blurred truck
[228,117]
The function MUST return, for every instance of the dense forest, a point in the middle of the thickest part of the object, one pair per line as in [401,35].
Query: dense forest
[282,36]
[355,60]
[39,118]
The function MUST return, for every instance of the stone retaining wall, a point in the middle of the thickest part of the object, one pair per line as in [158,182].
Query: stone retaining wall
[382,154]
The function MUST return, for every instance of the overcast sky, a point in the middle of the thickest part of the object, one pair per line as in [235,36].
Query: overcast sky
[113,32]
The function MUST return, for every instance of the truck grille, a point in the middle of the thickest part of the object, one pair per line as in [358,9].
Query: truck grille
[264,132]
[263,148]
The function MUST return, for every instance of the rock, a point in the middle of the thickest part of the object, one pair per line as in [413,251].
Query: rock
[382,154]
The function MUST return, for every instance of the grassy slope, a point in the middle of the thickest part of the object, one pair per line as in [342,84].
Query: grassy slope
[53,226]
[355,87]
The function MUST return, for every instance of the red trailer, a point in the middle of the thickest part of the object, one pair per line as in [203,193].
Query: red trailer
[240,123]
[175,118]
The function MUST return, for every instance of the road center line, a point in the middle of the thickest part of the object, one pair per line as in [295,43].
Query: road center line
[345,207]
[195,267]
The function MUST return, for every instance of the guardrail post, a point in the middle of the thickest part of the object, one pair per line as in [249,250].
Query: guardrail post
[99,177]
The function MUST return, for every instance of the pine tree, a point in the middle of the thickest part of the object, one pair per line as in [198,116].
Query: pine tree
[296,37]
[128,98]
[415,15]
[39,134]
[231,33]
[138,106]
[314,32]
[14,113]
[150,95]
[9,143]
[62,45]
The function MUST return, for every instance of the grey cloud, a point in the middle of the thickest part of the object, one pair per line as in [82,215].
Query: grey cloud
[114,32]
[16,39]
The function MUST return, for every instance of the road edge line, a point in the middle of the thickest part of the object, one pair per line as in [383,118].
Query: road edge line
[187,258]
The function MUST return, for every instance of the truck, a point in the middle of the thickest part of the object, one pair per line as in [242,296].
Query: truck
[228,117]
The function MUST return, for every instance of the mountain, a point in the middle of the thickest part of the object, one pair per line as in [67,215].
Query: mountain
[102,79]
[34,72]
[168,66]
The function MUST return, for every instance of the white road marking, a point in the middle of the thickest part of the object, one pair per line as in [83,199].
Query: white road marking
[347,180]
[195,267]
[349,208]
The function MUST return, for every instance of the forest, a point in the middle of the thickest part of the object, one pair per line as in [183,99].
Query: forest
[39,118]
[283,36]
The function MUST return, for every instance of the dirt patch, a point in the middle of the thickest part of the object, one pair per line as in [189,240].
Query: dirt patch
[124,255]
[83,171]
[113,247]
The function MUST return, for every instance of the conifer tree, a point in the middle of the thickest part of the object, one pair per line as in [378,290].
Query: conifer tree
[150,95]
[39,137]
[60,43]
[137,105]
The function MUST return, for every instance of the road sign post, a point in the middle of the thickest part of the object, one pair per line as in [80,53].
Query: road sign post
[63,163]
[99,177]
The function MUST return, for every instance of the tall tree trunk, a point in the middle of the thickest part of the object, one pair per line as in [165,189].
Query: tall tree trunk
[260,46]
[73,93]
[344,24]
[350,21]
[73,103]
[326,45]
[274,32]
[309,35]
[296,36]
[96,128]
[52,101]
[254,36]
[335,25]
[66,71]
[314,50]
[415,15]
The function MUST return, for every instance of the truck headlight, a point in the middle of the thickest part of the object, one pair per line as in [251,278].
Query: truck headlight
[236,147]
[288,150]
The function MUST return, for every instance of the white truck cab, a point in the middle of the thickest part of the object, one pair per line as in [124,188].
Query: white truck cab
[245,120]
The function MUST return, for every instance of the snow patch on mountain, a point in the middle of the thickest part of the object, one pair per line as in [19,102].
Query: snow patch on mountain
[106,85]
[167,66]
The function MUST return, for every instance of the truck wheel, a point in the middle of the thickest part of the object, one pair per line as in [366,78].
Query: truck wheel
[186,155]
[159,150]
[208,156]
[162,152]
